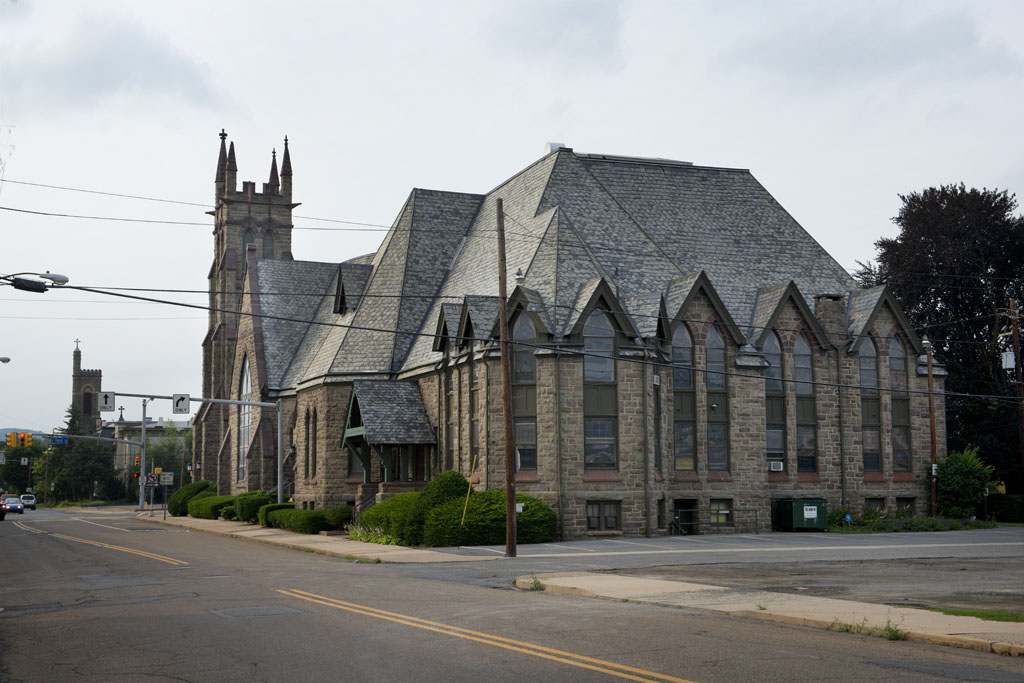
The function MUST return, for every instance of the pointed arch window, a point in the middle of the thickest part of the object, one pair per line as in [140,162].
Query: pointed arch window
[683,402]
[717,402]
[268,244]
[247,239]
[524,390]
[600,396]
[244,419]
[305,447]
[774,401]
[806,414]
[314,446]
[899,382]
[870,410]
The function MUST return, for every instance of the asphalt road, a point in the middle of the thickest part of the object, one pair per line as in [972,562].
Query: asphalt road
[107,598]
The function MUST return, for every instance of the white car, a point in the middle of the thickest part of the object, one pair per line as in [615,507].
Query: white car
[29,501]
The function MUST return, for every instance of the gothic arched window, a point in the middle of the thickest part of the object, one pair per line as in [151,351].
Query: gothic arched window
[717,401]
[870,410]
[244,418]
[600,397]
[524,390]
[683,399]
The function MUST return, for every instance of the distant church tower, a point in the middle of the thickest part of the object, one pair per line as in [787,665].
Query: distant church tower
[85,388]
[243,221]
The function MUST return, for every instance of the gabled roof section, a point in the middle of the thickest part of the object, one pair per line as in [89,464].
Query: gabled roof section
[864,307]
[590,296]
[531,302]
[352,278]
[770,302]
[289,294]
[393,412]
[447,321]
[479,313]
[684,288]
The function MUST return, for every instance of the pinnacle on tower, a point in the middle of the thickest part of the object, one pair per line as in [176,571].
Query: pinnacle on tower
[222,161]
[231,173]
[274,183]
[286,171]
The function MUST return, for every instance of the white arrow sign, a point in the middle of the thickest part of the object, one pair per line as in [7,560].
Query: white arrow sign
[107,400]
[179,403]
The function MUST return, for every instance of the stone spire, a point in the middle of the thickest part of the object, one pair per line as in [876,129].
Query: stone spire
[274,183]
[222,161]
[231,173]
[286,171]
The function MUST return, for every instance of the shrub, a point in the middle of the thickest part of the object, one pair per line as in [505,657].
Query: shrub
[302,521]
[228,513]
[963,478]
[248,505]
[263,514]
[1006,507]
[392,516]
[177,504]
[439,491]
[485,521]
[208,507]
[338,517]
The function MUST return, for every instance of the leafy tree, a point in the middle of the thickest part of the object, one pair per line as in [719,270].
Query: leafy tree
[81,468]
[954,266]
[15,477]
[962,481]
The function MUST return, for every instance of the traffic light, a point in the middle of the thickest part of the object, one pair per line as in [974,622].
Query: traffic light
[12,439]
[26,440]
[135,475]
[136,460]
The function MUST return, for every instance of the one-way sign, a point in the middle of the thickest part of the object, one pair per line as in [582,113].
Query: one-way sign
[107,401]
[180,403]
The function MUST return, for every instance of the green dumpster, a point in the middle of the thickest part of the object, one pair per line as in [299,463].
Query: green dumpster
[800,514]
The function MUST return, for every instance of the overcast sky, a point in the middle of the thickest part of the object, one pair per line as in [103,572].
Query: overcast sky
[835,107]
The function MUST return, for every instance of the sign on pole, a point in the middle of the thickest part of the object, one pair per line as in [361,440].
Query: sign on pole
[3,459]
[151,478]
[24,461]
[58,440]
[179,403]
[107,401]
[167,478]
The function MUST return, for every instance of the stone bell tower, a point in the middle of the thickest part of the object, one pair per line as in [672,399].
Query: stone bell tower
[262,219]
[86,386]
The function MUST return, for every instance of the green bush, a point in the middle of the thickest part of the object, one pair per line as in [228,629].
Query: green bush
[1006,507]
[439,491]
[228,513]
[208,507]
[248,505]
[265,510]
[338,517]
[177,504]
[485,521]
[963,478]
[392,516]
[302,521]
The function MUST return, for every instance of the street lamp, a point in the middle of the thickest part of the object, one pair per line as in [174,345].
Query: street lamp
[34,285]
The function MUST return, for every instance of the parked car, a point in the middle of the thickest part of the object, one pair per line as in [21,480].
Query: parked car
[29,501]
[14,504]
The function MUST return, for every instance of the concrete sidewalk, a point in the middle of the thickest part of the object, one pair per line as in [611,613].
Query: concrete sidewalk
[858,617]
[337,545]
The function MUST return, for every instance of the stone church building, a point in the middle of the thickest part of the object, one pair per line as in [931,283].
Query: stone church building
[684,354]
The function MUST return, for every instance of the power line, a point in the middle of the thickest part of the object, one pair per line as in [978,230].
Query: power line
[566,351]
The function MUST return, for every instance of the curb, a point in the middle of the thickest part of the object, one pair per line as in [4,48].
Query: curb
[979,644]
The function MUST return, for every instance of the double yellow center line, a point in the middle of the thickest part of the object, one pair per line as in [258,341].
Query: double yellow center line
[581,661]
[109,546]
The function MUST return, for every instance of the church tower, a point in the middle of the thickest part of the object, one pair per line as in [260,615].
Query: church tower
[242,220]
[86,386]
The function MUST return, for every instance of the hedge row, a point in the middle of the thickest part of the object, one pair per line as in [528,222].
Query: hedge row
[265,510]
[302,521]
[248,505]
[208,507]
[485,521]
[177,504]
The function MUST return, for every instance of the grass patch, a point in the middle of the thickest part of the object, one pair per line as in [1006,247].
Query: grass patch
[986,614]
[761,606]
[890,631]
[536,585]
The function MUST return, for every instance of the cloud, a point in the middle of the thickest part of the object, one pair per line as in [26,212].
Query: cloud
[836,51]
[99,58]
[575,34]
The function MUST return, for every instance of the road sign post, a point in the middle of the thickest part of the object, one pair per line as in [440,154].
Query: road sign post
[179,403]
[107,401]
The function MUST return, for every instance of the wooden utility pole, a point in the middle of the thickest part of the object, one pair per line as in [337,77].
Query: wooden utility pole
[506,393]
[1018,381]
[931,426]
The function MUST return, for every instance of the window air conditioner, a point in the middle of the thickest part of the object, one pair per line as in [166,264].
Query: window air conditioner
[776,466]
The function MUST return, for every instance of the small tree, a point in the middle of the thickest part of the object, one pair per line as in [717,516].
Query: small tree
[963,478]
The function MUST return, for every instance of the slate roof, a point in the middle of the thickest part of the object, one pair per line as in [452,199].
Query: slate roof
[859,310]
[647,228]
[393,412]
